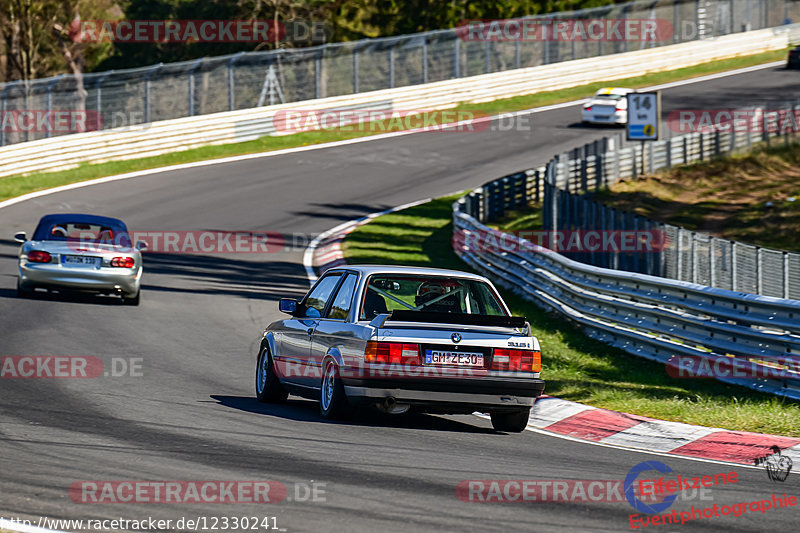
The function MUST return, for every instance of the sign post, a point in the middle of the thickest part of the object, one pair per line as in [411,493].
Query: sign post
[644,119]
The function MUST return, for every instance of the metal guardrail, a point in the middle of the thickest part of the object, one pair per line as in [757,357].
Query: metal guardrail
[227,83]
[565,186]
[651,317]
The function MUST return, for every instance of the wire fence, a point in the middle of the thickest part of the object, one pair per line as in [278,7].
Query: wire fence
[251,79]
[565,186]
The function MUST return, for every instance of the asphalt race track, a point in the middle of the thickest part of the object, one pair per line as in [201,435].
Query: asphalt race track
[190,412]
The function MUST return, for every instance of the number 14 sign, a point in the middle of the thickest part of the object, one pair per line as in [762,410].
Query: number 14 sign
[644,112]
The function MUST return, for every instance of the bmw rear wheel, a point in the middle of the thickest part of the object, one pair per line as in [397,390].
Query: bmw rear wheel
[510,421]
[333,402]
[268,387]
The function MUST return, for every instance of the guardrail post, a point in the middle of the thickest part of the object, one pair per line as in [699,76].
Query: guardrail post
[712,263]
[231,81]
[685,150]
[391,66]
[457,58]
[694,257]
[318,74]
[192,70]
[425,59]
[584,169]
[614,258]
[786,274]
[150,74]
[648,253]
[668,145]
[516,53]
[355,70]
[98,96]
[488,59]
[759,270]
[49,100]
[3,106]
[702,147]
[734,269]
[679,254]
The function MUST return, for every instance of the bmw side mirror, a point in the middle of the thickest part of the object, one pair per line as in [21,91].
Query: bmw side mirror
[20,237]
[288,305]
[141,246]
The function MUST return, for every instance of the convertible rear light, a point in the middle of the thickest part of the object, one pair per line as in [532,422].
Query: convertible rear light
[38,256]
[516,360]
[122,262]
[392,353]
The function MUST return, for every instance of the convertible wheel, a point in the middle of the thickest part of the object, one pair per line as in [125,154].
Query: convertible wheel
[511,422]
[333,402]
[134,300]
[22,292]
[268,387]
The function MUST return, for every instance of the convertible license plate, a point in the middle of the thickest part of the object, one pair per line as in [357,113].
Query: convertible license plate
[80,260]
[437,357]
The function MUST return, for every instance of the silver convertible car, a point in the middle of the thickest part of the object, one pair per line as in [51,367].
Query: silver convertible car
[439,341]
[80,252]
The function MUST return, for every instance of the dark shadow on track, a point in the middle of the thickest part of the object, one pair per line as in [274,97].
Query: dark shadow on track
[254,278]
[308,411]
[343,212]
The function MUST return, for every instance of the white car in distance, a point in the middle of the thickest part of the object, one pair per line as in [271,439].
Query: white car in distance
[608,106]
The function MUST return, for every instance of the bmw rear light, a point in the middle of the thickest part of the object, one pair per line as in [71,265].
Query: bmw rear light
[122,262]
[516,360]
[38,256]
[392,353]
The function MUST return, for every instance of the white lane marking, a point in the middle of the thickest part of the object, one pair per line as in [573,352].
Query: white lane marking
[24,528]
[308,255]
[335,144]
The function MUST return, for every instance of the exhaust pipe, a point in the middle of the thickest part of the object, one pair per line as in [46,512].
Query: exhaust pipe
[389,403]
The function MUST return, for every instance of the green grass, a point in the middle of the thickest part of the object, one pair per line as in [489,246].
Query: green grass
[574,366]
[17,185]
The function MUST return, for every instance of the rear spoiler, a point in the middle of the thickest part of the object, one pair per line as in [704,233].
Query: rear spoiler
[402,315]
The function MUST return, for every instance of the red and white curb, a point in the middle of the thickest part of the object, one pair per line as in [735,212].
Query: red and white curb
[591,424]
[612,428]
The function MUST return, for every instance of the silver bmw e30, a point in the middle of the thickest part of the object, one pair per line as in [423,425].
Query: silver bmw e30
[80,252]
[440,341]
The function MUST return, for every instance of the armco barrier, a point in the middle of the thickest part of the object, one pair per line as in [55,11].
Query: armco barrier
[181,134]
[645,315]
[565,186]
